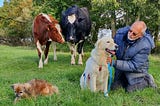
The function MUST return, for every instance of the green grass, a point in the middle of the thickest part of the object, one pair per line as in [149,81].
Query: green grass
[20,64]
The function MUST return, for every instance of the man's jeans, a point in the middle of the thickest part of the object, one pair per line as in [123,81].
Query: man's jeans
[138,81]
[133,81]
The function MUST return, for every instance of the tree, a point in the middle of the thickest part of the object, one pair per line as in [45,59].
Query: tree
[16,17]
[104,14]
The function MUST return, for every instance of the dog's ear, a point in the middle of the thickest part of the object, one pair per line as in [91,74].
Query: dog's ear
[27,86]
[97,44]
[13,86]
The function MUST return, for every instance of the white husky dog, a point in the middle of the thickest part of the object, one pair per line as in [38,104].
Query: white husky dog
[95,75]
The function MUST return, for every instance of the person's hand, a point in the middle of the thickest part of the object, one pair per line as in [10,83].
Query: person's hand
[109,60]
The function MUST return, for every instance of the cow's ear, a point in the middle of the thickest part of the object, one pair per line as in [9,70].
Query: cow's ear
[63,14]
[44,19]
[80,19]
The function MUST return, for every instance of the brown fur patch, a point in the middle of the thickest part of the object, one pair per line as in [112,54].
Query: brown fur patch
[33,88]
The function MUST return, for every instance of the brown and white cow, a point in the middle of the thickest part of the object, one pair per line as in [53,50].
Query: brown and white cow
[45,30]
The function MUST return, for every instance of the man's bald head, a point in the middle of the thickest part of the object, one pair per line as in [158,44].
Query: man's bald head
[140,26]
[137,30]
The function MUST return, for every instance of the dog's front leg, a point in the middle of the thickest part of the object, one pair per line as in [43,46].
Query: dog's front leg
[106,86]
[16,99]
[93,83]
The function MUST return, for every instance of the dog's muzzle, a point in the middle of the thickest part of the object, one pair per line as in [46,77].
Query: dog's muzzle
[110,51]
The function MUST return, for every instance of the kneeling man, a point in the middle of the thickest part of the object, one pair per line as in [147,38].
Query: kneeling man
[132,63]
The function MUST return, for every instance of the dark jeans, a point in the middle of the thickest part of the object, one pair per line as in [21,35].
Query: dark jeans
[132,81]
[119,81]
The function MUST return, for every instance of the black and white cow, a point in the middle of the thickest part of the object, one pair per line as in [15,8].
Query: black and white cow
[76,26]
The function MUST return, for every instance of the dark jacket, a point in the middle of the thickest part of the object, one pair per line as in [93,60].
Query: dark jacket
[132,57]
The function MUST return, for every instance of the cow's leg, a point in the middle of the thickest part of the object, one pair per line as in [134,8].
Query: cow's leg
[46,52]
[40,53]
[72,49]
[54,51]
[80,52]
[80,59]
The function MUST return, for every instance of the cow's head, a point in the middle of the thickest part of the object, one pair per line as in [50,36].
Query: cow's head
[49,26]
[71,29]
[54,30]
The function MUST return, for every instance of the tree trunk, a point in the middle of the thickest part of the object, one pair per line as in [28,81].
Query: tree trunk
[113,23]
[155,34]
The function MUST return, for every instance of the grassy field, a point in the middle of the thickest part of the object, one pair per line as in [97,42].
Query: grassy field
[20,64]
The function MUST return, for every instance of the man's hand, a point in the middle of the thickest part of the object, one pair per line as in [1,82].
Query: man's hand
[109,59]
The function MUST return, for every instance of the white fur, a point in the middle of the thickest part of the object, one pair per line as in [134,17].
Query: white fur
[40,50]
[47,17]
[59,29]
[95,79]
[72,18]
[73,49]
[54,50]
[46,60]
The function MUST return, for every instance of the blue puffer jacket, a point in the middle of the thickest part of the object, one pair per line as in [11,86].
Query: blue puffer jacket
[132,57]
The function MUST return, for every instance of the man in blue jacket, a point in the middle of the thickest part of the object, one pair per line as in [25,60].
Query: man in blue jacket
[131,64]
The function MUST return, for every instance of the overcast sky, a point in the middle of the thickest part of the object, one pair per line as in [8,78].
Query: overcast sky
[1,3]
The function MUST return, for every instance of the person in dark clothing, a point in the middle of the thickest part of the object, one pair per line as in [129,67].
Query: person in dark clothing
[132,63]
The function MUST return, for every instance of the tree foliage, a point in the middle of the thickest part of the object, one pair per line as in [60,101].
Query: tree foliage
[17,15]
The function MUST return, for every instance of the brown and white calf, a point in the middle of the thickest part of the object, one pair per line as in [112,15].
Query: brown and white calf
[45,30]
